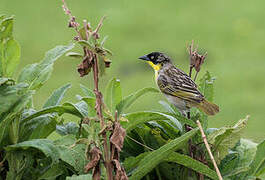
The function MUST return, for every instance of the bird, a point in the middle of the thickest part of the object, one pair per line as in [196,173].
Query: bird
[179,89]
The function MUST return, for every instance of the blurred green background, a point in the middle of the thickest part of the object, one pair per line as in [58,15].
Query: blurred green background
[232,32]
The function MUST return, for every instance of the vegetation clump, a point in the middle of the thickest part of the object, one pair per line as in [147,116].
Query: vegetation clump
[108,142]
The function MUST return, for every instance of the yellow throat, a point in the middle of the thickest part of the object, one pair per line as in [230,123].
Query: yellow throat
[156,67]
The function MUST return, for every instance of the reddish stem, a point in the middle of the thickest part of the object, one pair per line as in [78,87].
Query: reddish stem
[108,163]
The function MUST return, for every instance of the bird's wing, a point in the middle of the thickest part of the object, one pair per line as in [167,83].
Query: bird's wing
[175,82]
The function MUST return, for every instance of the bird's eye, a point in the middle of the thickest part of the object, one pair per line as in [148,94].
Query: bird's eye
[152,57]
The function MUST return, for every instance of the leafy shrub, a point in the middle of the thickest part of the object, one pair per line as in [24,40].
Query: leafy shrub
[157,145]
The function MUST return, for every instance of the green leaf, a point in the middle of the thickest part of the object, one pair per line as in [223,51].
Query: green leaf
[6,27]
[168,131]
[80,107]
[68,128]
[37,74]
[192,164]
[173,111]
[113,94]
[108,51]
[131,162]
[56,96]
[19,162]
[39,127]
[138,118]
[65,108]
[85,43]
[91,103]
[74,55]
[80,177]
[43,145]
[9,57]
[87,91]
[155,157]
[13,101]
[53,172]
[129,100]
[103,41]
[206,86]
[11,96]
[75,155]
[259,160]
[225,138]
[7,81]
[246,150]
[168,107]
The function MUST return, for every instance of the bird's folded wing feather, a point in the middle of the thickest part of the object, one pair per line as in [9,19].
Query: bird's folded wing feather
[175,82]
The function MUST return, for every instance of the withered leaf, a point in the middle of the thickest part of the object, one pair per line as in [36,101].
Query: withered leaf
[120,172]
[85,67]
[95,155]
[199,61]
[96,172]
[196,60]
[118,136]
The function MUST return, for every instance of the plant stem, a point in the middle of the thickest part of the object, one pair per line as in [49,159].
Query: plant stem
[98,108]
[209,150]
[140,143]
[158,173]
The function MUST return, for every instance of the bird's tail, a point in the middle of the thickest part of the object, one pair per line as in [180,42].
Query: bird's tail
[208,107]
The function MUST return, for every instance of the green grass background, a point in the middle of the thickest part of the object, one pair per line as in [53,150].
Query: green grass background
[232,32]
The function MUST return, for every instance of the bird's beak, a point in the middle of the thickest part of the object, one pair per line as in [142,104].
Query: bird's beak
[144,58]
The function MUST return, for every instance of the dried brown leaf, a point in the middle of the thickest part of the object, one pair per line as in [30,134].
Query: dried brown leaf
[96,172]
[118,136]
[85,67]
[196,60]
[95,155]
[120,172]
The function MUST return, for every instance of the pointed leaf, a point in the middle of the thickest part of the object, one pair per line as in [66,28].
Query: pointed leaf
[80,107]
[206,86]
[36,128]
[68,128]
[37,74]
[43,145]
[65,108]
[131,162]
[225,138]
[56,96]
[113,94]
[87,91]
[168,107]
[138,118]
[91,103]
[13,101]
[192,164]
[75,155]
[155,157]
[6,27]
[85,43]
[74,55]
[129,100]
[259,160]
[9,57]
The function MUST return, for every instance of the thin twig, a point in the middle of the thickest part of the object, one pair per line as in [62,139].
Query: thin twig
[99,24]
[140,143]
[209,150]
[195,76]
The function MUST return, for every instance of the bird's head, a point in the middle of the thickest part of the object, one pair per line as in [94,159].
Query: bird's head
[156,59]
